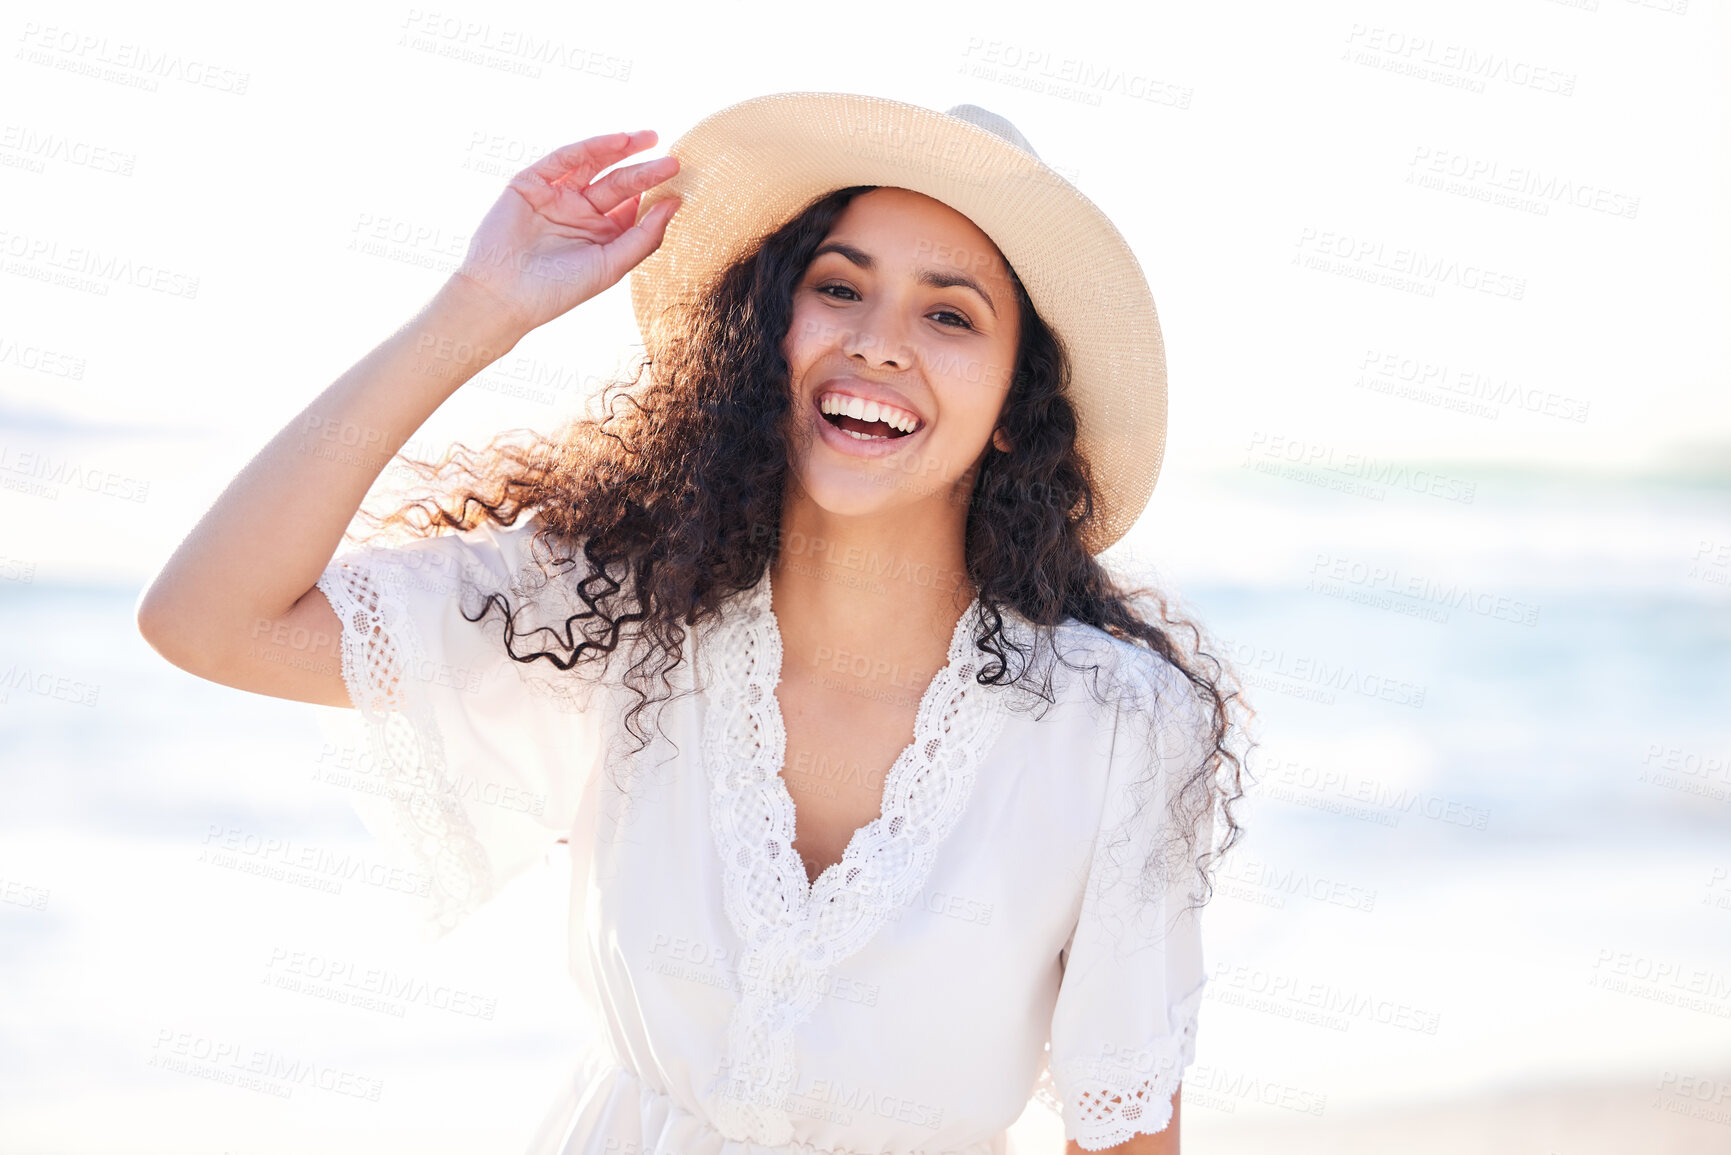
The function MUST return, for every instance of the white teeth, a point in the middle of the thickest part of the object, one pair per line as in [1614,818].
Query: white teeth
[863,410]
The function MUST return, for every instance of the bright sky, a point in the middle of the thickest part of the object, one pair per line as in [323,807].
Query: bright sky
[1559,168]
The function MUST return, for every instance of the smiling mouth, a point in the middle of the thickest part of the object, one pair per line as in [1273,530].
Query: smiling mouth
[861,421]
[864,430]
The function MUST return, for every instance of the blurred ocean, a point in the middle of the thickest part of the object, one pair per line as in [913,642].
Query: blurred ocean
[1489,848]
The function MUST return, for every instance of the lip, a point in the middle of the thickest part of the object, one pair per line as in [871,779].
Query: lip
[865,391]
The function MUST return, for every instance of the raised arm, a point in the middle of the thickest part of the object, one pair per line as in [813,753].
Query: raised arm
[236,602]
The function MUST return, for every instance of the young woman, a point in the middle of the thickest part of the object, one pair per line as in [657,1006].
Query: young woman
[889,807]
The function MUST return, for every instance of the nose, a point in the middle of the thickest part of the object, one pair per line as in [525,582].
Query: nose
[878,341]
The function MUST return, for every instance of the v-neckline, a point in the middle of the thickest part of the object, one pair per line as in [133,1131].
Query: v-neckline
[793,928]
[863,836]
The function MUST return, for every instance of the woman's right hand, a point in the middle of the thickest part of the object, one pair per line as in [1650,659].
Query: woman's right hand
[237,602]
[556,236]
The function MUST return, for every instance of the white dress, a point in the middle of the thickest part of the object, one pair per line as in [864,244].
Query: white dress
[987,939]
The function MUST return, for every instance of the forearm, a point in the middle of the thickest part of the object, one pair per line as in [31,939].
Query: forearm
[268,537]
[559,234]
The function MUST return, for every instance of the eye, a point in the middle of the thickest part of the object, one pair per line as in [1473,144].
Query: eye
[839,290]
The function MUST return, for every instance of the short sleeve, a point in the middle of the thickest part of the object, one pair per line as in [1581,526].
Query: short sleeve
[1124,1025]
[473,763]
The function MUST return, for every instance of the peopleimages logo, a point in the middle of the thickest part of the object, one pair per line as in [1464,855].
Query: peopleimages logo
[318,867]
[1276,669]
[258,1068]
[1461,388]
[1038,69]
[37,148]
[1334,1007]
[124,62]
[43,258]
[1361,796]
[1455,65]
[36,359]
[1271,884]
[1357,473]
[24,680]
[1387,586]
[1434,167]
[40,474]
[1374,260]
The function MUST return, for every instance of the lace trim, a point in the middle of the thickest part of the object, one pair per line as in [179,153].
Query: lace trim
[1112,1102]
[379,645]
[794,931]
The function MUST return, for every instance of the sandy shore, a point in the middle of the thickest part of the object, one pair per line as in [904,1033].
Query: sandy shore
[1602,1120]
[1617,1119]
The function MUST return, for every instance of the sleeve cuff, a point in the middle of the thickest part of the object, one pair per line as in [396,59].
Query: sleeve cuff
[1115,1097]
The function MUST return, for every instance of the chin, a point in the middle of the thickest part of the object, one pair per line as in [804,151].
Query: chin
[855,492]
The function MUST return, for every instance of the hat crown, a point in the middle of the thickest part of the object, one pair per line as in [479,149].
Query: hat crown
[994,124]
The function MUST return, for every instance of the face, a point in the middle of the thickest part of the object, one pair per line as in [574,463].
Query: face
[901,353]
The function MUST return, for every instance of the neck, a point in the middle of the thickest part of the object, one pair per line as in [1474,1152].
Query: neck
[871,584]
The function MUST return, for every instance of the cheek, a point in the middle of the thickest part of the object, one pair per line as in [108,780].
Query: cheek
[805,334]
[790,350]
[973,396]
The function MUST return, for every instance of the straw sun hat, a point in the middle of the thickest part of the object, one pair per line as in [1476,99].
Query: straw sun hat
[749,168]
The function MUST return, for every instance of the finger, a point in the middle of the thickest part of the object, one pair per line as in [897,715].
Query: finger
[632,180]
[625,214]
[581,161]
[628,249]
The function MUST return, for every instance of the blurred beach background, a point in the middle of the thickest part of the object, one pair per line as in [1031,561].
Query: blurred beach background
[1448,478]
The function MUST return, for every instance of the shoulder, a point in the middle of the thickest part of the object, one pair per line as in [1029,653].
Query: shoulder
[525,562]
[1164,732]
[487,553]
[1122,673]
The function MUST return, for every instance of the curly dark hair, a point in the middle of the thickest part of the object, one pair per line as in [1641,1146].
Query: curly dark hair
[673,495]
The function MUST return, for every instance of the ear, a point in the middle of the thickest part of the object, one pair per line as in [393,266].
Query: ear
[1001,439]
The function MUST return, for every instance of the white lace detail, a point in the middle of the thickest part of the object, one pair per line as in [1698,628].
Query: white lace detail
[1116,1101]
[795,931]
[379,646]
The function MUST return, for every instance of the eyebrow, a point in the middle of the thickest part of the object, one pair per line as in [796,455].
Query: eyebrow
[935,278]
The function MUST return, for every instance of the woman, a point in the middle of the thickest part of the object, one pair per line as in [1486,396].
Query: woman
[888,807]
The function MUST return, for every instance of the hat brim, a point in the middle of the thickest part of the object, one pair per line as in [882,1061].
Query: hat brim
[747,169]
